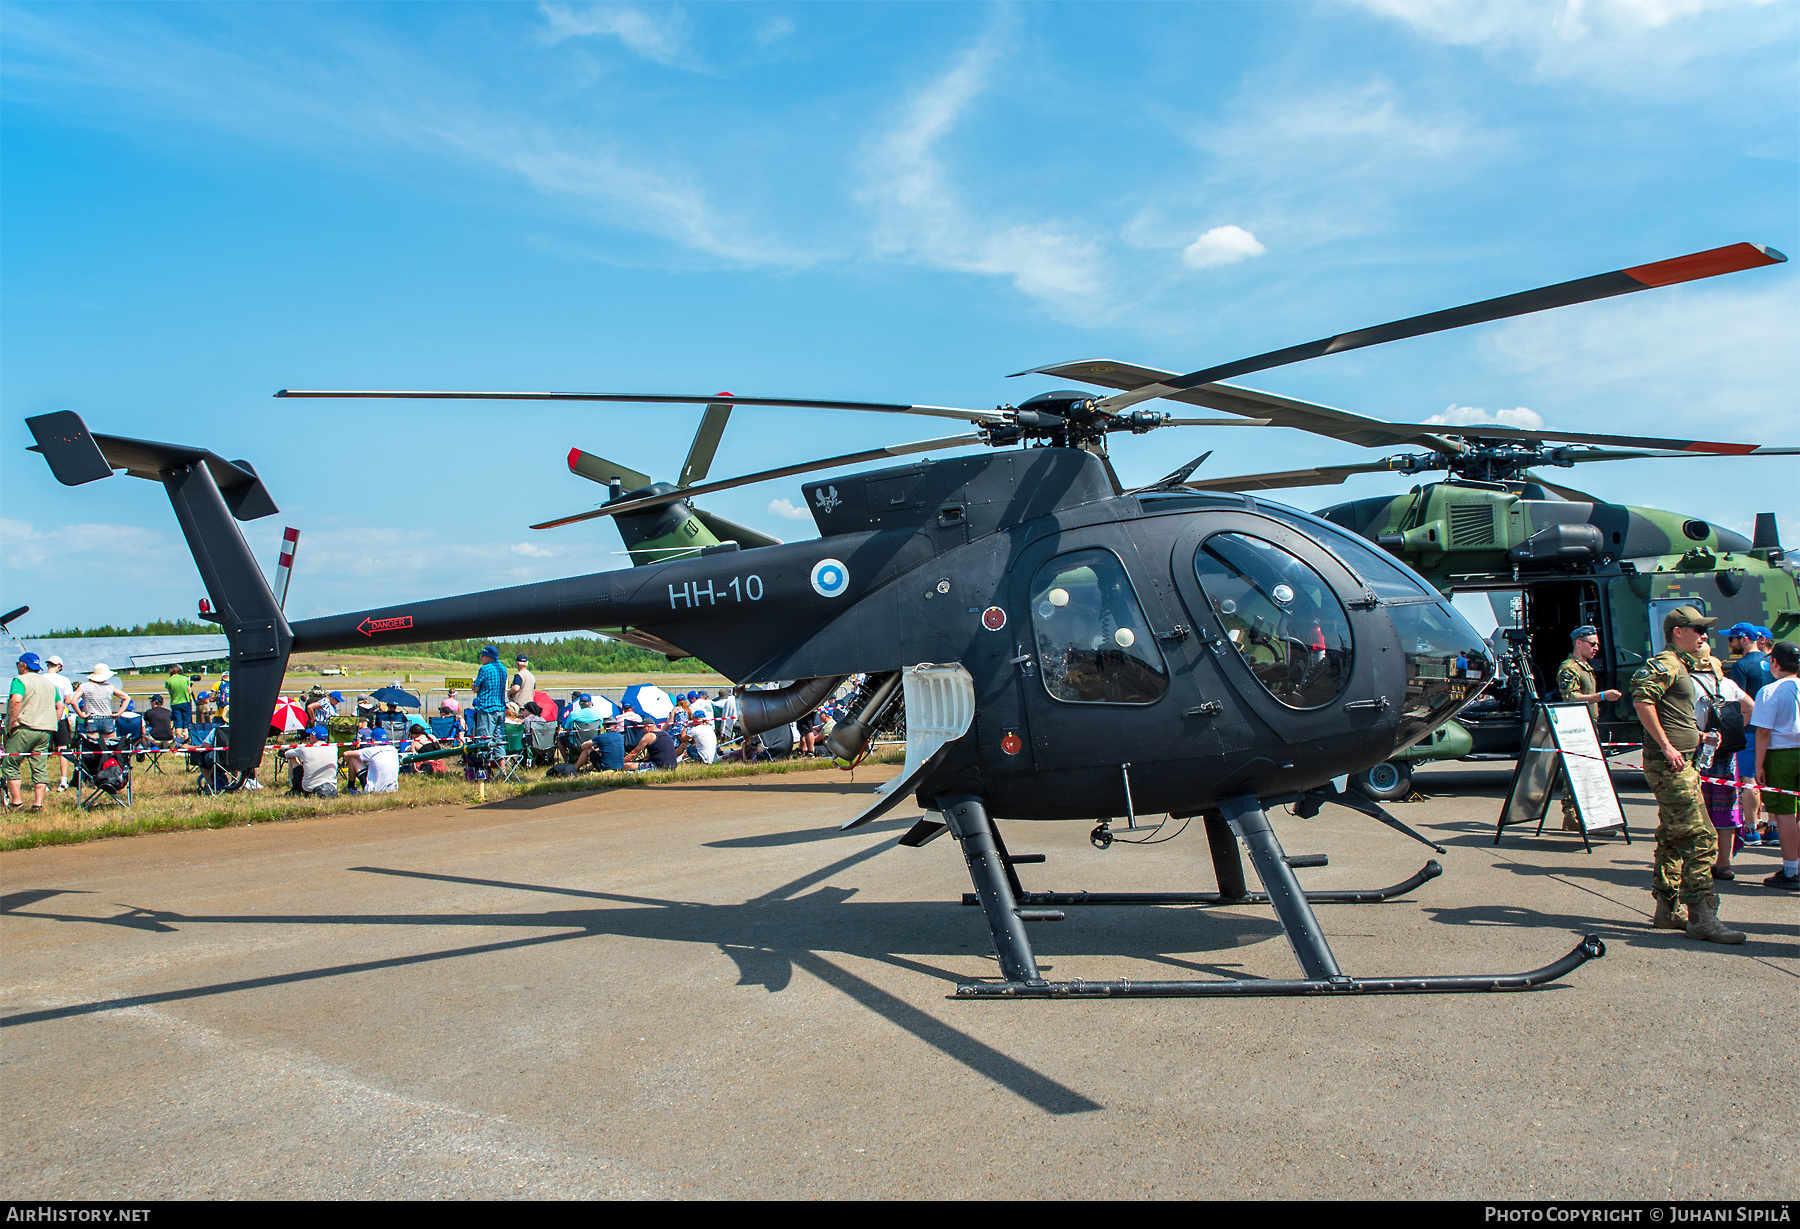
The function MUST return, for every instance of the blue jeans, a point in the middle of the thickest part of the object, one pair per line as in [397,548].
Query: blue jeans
[490,730]
[181,716]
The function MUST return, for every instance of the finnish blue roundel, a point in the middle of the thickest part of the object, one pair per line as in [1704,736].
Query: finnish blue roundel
[830,578]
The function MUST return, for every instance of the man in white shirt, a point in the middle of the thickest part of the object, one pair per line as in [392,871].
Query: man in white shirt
[524,684]
[64,738]
[1777,721]
[699,740]
[380,760]
[315,765]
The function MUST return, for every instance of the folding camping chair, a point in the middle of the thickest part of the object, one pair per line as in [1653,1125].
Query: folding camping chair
[514,759]
[540,742]
[102,771]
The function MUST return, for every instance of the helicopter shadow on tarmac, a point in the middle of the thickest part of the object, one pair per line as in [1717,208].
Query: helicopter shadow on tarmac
[807,906]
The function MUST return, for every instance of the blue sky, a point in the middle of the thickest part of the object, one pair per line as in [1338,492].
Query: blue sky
[201,205]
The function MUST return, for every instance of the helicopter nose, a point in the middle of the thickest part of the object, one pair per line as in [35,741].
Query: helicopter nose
[1447,665]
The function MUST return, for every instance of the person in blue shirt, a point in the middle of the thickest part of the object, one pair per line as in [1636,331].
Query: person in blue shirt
[489,704]
[606,750]
[1751,673]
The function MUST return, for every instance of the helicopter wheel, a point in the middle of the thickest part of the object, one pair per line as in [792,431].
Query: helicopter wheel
[1386,782]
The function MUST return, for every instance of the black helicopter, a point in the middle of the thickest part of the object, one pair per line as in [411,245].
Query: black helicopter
[1065,649]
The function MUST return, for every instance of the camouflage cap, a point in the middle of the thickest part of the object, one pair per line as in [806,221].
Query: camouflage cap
[1685,616]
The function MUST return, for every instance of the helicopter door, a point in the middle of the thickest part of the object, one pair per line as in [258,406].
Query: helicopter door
[1092,660]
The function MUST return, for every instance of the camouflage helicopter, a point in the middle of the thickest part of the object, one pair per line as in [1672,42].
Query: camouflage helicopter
[1549,558]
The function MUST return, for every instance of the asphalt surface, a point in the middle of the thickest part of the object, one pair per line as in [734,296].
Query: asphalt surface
[707,991]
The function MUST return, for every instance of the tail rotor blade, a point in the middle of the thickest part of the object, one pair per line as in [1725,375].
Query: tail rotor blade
[599,469]
[706,443]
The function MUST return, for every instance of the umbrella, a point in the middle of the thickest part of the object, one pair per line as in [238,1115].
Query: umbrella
[546,703]
[648,699]
[287,717]
[604,706]
[393,695]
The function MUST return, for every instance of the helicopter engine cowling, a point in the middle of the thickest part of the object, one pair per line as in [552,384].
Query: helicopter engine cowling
[1565,544]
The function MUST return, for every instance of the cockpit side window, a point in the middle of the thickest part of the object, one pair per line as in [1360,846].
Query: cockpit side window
[1093,642]
[1283,619]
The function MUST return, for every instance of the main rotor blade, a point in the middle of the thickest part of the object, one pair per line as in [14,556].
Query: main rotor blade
[599,469]
[1324,475]
[854,458]
[797,403]
[1712,263]
[706,443]
[1338,424]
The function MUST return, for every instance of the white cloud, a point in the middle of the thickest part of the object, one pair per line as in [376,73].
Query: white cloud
[774,30]
[658,36]
[783,507]
[1631,45]
[1473,416]
[128,553]
[920,216]
[382,98]
[531,550]
[1222,245]
[1691,362]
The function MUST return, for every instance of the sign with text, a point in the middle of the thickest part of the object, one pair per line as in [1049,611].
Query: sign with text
[1563,752]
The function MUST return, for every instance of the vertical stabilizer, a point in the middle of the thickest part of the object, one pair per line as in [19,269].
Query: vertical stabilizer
[208,494]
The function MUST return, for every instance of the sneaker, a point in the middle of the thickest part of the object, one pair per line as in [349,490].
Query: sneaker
[1748,839]
[1783,880]
[63,788]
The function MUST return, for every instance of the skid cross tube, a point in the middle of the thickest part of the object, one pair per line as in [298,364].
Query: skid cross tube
[1367,896]
[1003,901]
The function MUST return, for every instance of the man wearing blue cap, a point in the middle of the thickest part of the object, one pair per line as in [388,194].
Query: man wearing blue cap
[33,711]
[489,704]
[1575,681]
[379,759]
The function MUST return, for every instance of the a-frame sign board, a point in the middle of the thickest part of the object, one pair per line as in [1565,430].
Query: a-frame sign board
[1563,747]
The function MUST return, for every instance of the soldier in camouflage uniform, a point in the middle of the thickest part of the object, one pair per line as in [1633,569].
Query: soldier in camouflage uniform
[1575,681]
[1686,841]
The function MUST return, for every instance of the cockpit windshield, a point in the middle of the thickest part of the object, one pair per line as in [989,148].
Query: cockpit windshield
[1283,619]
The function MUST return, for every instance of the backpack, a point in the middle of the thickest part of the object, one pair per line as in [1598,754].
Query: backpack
[1724,716]
[110,776]
[562,770]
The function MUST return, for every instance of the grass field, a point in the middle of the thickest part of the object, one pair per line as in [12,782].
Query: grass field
[170,800]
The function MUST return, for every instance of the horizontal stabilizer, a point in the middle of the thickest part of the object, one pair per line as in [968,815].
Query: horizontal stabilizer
[77,456]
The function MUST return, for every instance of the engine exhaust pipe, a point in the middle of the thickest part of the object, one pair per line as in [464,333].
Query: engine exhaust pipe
[849,736]
[759,711]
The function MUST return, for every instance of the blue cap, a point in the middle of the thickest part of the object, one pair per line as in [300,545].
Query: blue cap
[585,698]
[1741,629]
[338,696]
[1763,633]
[1584,631]
[378,735]
[320,732]
[693,695]
[521,659]
[491,651]
[30,662]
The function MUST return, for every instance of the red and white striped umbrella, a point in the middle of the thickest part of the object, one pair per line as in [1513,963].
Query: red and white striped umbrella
[287,717]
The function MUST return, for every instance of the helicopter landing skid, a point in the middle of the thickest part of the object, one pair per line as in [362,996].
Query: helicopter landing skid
[1005,904]
[1368,896]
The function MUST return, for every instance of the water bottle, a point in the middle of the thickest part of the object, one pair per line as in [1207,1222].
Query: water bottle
[1704,757]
